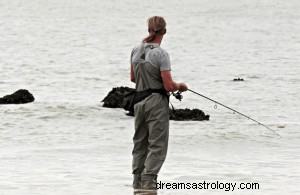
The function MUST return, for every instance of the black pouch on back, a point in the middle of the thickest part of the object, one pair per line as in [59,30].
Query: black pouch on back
[131,97]
[139,96]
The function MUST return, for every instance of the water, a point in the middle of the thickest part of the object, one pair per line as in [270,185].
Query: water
[69,54]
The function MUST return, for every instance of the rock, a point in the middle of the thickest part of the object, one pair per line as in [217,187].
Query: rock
[188,115]
[114,98]
[22,96]
[120,97]
[238,79]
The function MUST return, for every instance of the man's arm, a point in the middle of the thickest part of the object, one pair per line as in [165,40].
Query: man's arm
[132,79]
[171,85]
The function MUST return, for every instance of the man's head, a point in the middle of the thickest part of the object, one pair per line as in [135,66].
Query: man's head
[156,27]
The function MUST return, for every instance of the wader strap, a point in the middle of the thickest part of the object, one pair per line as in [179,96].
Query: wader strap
[143,56]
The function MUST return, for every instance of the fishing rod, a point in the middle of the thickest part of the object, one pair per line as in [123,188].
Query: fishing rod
[233,111]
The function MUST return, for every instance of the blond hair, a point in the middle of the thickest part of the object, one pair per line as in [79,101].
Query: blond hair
[156,26]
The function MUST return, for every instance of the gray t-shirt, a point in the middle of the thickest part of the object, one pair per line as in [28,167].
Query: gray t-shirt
[155,55]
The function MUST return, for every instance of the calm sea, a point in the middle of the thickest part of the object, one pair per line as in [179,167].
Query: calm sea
[70,53]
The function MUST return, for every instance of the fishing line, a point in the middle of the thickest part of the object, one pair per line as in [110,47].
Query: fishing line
[234,111]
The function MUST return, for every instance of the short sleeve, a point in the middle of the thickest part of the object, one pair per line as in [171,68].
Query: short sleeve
[165,62]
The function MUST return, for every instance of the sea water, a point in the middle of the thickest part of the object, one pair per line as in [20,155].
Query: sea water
[70,54]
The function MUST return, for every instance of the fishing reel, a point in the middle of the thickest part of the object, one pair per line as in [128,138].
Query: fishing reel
[178,95]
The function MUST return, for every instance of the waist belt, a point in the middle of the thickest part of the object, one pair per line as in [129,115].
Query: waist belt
[141,95]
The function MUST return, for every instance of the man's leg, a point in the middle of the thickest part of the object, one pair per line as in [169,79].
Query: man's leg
[158,123]
[140,141]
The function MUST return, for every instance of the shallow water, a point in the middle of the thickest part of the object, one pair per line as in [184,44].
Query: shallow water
[70,54]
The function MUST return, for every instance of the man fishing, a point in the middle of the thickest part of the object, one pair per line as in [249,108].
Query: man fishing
[151,72]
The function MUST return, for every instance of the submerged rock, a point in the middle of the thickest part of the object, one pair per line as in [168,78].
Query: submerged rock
[22,96]
[120,97]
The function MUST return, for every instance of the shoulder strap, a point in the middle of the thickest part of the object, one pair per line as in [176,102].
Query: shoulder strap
[143,52]
[143,56]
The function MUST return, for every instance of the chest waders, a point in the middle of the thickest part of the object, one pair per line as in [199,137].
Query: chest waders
[151,124]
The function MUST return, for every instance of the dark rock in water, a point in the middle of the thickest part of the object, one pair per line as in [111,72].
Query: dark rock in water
[120,97]
[22,96]
[238,79]
[114,99]
[188,115]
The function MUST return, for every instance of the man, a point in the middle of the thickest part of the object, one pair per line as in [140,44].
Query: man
[151,72]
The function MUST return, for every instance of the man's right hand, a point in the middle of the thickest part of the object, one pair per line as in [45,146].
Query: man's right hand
[182,87]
